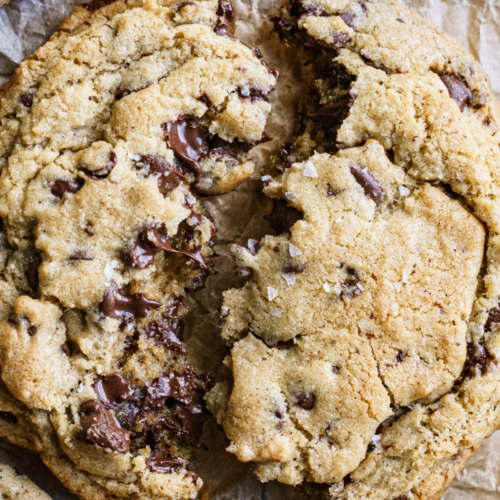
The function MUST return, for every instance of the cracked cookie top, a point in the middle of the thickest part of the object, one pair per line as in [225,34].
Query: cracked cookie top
[109,134]
[364,346]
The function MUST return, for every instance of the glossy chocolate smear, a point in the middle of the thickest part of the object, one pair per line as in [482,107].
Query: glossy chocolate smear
[117,305]
[305,400]
[103,172]
[112,389]
[457,89]
[60,186]
[32,271]
[94,5]
[332,114]
[156,165]
[188,139]
[225,11]
[100,427]
[253,93]
[81,255]
[283,217]
[168,333]
[163,462]
[180,386]
[151,241]
[373,190]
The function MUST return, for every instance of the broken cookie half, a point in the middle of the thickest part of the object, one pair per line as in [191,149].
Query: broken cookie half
[364,346]
[109,134]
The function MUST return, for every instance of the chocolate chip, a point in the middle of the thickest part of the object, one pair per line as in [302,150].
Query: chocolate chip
[350,18]
[176,385]
[332,192]
[112,389]
[283,217]
[163,462]
[32,271]
[493,318]
[31,330]
[100,427]
[89,229]
[60,186]
[402,497]
[225,12]
[81,255]
[373,190]
[94,5]
[332,115]
[117,305]
[205,100]
[188,141]
[252,93]
[223,31]
[283,344]
[8,417]
[199,281]
[335,369]
[168,333]
[156,165]
[26,99]
[351,286]
[457,89]
[151,241]
[103,172]
[173,310]
[66,349]
[478,362]
[305,400]
[401,356]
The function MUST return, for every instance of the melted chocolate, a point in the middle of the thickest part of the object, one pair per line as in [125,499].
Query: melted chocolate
[168,333]
[151,241]
[478,362]
[332,114]
[350,18]
[26,99]
[104,171]
[32,271]
[94,5]
[66,349]
[163,462]
[373,190]
[60,186]
[458,90]
[81,255]
[493,318]
[176,385]
[31,330]
[401,356]
[116,305]
[89,229]
[188,140]
[156,165]
[252,93]
[100,427]
[225,12]
[305,400]
[112,389]
[283,217]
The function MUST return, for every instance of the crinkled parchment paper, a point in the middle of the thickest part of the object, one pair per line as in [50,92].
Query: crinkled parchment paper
[27,24]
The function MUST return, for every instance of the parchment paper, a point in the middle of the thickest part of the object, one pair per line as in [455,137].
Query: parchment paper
[27,24]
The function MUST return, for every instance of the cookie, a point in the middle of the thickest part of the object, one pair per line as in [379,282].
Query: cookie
[17,487]
[110,134]
[365,346]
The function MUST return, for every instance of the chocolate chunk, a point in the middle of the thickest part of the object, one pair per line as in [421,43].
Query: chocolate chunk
[350,18]
[26,99]
[373,190]
[252,93]
[283,217]
[335,369]
[151,241]
[205,100]
[188,140]
[112,389]
[305,400]
[31,330]
[94,5]
[351,286]
[401,356]
[332,192]
[172,311]
[89,229]
[163,462]
[479,360]
[225,12]
[66,349]
[32,271]
[102,172]
[81,255]
[156,165]
[116,305]
[332,115]
[283,344]
[457,89]
[60,186]
[8,417]
[223,31]
[199,281]
[100,427]
[177,385]
[168,333]
[493,319]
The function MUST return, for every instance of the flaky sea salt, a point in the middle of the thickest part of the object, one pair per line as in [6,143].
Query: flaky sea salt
[398,286]
[460,176]
[110,267]
[377,447]
[134,157]
[80,387]
[276,312]
[266,178]
[290,278]
[360,286]
[327,288]
[294,251]
[272,293]
[310,169]
[190,199]
[291,196]
[403,191]
[405,276]
[253,245]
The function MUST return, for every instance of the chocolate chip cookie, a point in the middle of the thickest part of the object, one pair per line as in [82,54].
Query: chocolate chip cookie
[18,487]
[109,135]
[365,345]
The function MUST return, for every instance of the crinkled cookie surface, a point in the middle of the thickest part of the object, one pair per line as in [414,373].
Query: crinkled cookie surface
[365,345]
[109,133]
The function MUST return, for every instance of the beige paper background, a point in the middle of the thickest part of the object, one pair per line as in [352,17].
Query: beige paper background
[26,24]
